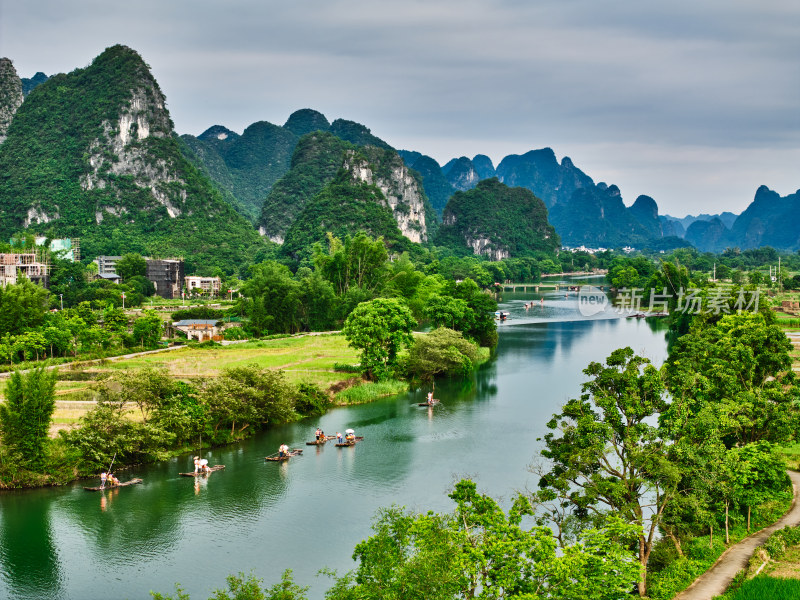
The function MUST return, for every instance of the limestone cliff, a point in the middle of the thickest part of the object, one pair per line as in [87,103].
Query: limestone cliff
[400,187]
[92,154]
[10,95]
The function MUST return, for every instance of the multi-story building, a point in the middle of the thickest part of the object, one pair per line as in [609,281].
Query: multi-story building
[29,264]
[167,276]
[208,285]
[107,265]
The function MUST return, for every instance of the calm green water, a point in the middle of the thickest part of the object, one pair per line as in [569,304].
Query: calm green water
[310,512]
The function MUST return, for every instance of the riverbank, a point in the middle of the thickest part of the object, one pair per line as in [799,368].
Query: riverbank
[324,366]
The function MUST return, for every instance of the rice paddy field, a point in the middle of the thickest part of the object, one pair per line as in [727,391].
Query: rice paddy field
[765,587]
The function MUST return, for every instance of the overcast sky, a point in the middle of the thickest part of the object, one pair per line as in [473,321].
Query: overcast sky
[695,103]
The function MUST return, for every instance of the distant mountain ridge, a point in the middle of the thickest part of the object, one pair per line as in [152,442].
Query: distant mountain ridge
[93,154]
[770,220]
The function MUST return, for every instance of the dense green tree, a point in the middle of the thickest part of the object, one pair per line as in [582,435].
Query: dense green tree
[759,475]
[441,352]
[446,311]
[379,329]
[483,306]
[607,453]
[272,299]
[131,265]
[22,306]
[738,373]
[480,552]
[358,261]
[318,304]
[26,413]
[141,285]
[148,329]
[246,397]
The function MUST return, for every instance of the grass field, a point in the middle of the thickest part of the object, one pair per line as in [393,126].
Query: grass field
[307,359]
[303,359]
[765,587]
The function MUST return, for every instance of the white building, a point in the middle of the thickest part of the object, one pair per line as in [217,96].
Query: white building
[209,285]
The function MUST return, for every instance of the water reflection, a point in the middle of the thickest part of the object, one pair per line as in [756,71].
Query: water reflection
[28,550]
[263,516]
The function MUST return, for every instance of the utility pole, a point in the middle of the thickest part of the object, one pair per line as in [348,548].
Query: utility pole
[62,300]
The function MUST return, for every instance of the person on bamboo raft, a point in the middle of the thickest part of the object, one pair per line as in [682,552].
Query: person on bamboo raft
[283,450]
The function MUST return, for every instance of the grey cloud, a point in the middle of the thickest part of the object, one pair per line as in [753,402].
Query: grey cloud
[450,77]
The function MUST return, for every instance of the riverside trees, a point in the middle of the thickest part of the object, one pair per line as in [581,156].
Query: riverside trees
[682,449]
[608,454]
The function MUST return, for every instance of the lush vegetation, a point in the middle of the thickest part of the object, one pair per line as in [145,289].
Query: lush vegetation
[686,464]
[142,416]
[512,220]
[315,162]
[44,167]
[477,551]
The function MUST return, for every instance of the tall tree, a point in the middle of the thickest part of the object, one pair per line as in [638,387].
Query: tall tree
[379,329]
[131,265]
[607,453]
[737,371]
[25,415]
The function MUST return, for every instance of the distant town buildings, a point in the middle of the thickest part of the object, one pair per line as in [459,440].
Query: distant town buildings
[583,249]
[207,285]
[107,265]
[166,274]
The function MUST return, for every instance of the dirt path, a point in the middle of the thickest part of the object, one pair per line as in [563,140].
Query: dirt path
[717,579]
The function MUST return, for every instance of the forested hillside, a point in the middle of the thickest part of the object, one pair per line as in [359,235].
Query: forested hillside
[92,154]
[497,221]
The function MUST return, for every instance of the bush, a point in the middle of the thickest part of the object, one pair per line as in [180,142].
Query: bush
[311,400]
[441,352]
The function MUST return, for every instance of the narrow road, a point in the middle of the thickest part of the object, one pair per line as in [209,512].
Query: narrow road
[717,579]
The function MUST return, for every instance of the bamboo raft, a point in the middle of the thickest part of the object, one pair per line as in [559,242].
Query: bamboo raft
[111,487]
[321,441]
[287,457]
[434,403]
[210,470]
[358,438]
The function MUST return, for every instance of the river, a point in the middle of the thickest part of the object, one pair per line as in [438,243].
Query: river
[309,512]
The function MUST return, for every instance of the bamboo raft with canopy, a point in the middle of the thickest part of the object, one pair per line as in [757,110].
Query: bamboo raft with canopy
[111,487]
[276,458]
[206,472]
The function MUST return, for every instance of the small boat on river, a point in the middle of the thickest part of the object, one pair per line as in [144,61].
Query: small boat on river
[352,442]
[199,473]
[321,441]
[285,457]
[111,487]
[434,403]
